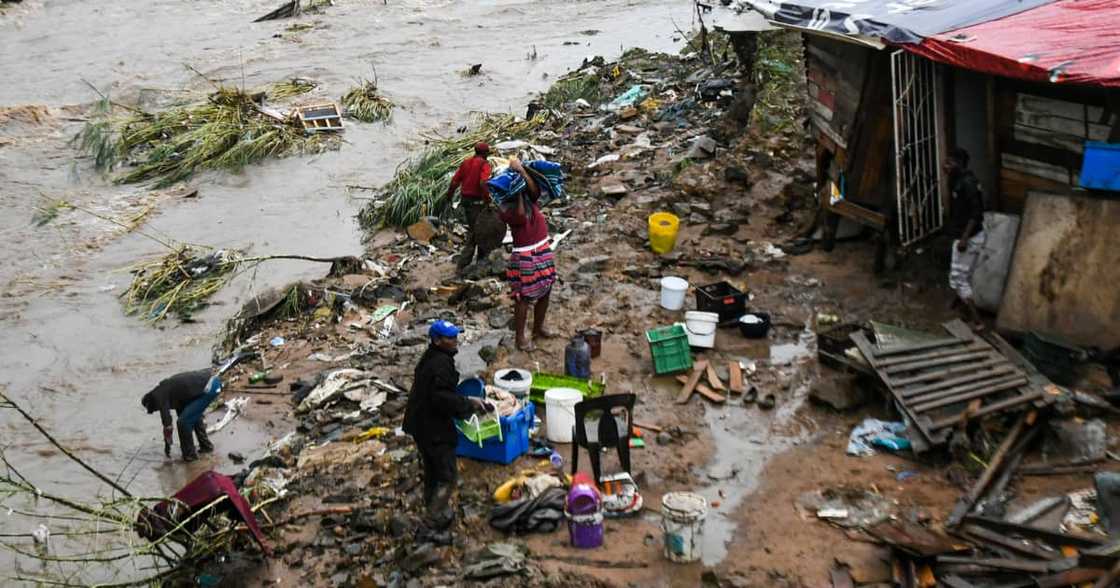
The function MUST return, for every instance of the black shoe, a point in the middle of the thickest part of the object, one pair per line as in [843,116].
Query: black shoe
[208,448]
[190,457]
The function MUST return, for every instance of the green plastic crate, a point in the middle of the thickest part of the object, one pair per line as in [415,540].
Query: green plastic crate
[670,350]
[543,382]
[478,430]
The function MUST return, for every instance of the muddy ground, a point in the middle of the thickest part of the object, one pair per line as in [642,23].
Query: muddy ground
[752,464]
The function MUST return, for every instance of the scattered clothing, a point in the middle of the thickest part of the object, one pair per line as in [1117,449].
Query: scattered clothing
[531,271]
[873,433]
[496,559]
[542,513]
[471,178]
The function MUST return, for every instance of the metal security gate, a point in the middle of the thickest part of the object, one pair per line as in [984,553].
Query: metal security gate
[916,88]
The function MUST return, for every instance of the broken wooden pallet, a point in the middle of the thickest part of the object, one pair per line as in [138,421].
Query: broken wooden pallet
[933,382]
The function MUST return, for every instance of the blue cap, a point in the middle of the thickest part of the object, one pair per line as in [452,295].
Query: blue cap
[443,329]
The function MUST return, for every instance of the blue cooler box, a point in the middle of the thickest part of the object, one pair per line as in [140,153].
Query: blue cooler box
[514,443]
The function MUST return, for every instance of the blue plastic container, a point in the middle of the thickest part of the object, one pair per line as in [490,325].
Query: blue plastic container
[1100,170]
[514,443]
[472,387]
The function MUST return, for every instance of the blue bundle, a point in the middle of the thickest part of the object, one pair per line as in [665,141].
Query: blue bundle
[508,184]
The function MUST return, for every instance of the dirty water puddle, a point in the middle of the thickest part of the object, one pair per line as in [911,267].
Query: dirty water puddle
[745,438]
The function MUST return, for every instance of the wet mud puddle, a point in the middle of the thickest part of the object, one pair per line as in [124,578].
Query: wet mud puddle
[745,437]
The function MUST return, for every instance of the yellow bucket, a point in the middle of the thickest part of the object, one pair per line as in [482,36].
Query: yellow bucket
[663,229]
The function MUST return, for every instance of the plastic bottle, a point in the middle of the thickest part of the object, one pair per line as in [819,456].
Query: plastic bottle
[557,460]
[577,358]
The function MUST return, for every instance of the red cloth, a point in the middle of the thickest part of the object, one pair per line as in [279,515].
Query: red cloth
[1066,42]
[472,176]
[528,229]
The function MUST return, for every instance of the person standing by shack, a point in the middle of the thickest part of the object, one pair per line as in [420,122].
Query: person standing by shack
[188,393]
[470,179]
[433,404]
[532,269]
[966,218]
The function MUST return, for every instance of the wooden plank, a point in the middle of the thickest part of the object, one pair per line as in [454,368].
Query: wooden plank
[1074,577]
[713,378]
[736,373]
[1020,546]
[976,390]
[966,502]
[710,394]
[1053,538]
[1000,368]
[937,375]
[994,407]
[976,346]
[691,382]
[1014,565]
[948,360]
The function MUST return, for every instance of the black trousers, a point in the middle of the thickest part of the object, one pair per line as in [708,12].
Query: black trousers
[187,434]
[440,476]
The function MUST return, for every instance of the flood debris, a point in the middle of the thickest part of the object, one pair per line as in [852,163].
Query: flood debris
[230,129]
[366,103]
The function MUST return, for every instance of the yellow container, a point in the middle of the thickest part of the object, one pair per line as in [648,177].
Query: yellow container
[663,228]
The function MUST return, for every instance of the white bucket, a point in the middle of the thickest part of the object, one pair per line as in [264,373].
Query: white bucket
[560,413]
[518,388]
[672,292]
[701,328]
[682,525]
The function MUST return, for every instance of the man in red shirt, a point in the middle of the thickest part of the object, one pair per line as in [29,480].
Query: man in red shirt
[470,179]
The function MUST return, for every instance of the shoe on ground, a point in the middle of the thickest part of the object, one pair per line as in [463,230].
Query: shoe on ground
[191,457]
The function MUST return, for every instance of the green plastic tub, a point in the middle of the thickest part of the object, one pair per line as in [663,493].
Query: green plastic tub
[543,382]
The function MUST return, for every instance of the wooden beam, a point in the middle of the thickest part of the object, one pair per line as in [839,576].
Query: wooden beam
[1000,368]
[964,369]
[966,502]
[1053,538]
[691,382]
[932,354]
[994,407]
[948,360]
[735,371]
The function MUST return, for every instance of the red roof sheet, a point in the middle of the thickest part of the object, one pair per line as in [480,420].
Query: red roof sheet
[1066,42]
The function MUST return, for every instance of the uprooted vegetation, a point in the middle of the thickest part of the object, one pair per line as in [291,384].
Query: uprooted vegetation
[366,103]
[232,128]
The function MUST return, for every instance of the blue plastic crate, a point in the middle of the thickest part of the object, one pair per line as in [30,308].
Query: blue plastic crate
[1100,170]
[514,443]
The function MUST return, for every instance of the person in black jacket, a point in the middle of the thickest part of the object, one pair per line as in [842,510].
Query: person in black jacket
[433,404]
[188,393]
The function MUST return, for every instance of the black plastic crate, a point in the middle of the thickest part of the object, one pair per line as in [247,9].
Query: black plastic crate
[723,299]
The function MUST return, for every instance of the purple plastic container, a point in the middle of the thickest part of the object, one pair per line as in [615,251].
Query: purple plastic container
[585,517]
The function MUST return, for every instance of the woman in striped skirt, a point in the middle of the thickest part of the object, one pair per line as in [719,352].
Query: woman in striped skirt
[531,271]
